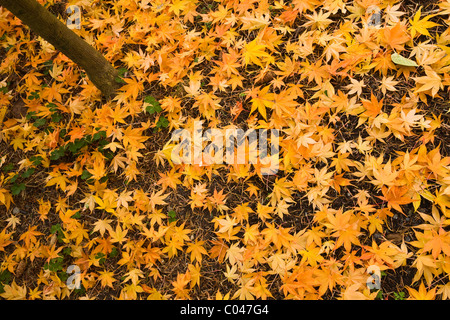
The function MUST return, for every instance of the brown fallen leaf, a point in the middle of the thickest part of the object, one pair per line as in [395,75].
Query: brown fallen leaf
[21,267]
[395,237]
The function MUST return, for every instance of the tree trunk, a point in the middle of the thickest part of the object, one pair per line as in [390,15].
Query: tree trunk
[43,23]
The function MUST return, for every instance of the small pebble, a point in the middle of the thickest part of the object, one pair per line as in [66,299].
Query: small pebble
[377,235]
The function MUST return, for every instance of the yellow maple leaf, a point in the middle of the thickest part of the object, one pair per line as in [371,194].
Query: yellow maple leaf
[105,204]
[194,271]
[14,292]
[421,26]
[132,87]
[261,99]
[422,293]
[118,235]
[254,52]
[157,198]
[432,81]
[106,278]
[196,250]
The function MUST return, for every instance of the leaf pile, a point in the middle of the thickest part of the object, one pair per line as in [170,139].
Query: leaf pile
[364,164]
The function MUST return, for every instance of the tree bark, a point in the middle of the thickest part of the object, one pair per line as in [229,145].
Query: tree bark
[43,23]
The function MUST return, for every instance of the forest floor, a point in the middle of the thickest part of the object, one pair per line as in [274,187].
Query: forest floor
[361,192]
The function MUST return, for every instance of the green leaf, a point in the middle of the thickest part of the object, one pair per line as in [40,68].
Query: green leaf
[5,278]
[99,135]
[88,138]
[399,296]
[14,178]
[55,228]
[86,174]
[58,153]
[63,276]
[63,134]
[37,160]
[119,80]
[31,114]
[54,264]
[56,117]
[120,75]
[76,215]
[121,71]
[34,95]
[101,257]
[172,216]
[114,253]
[28,173]
[398,59]
[39,122]
[17,188]
[74,147]
[8,167]
[153,105]
[380,295]
[162,122]
[53,107]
